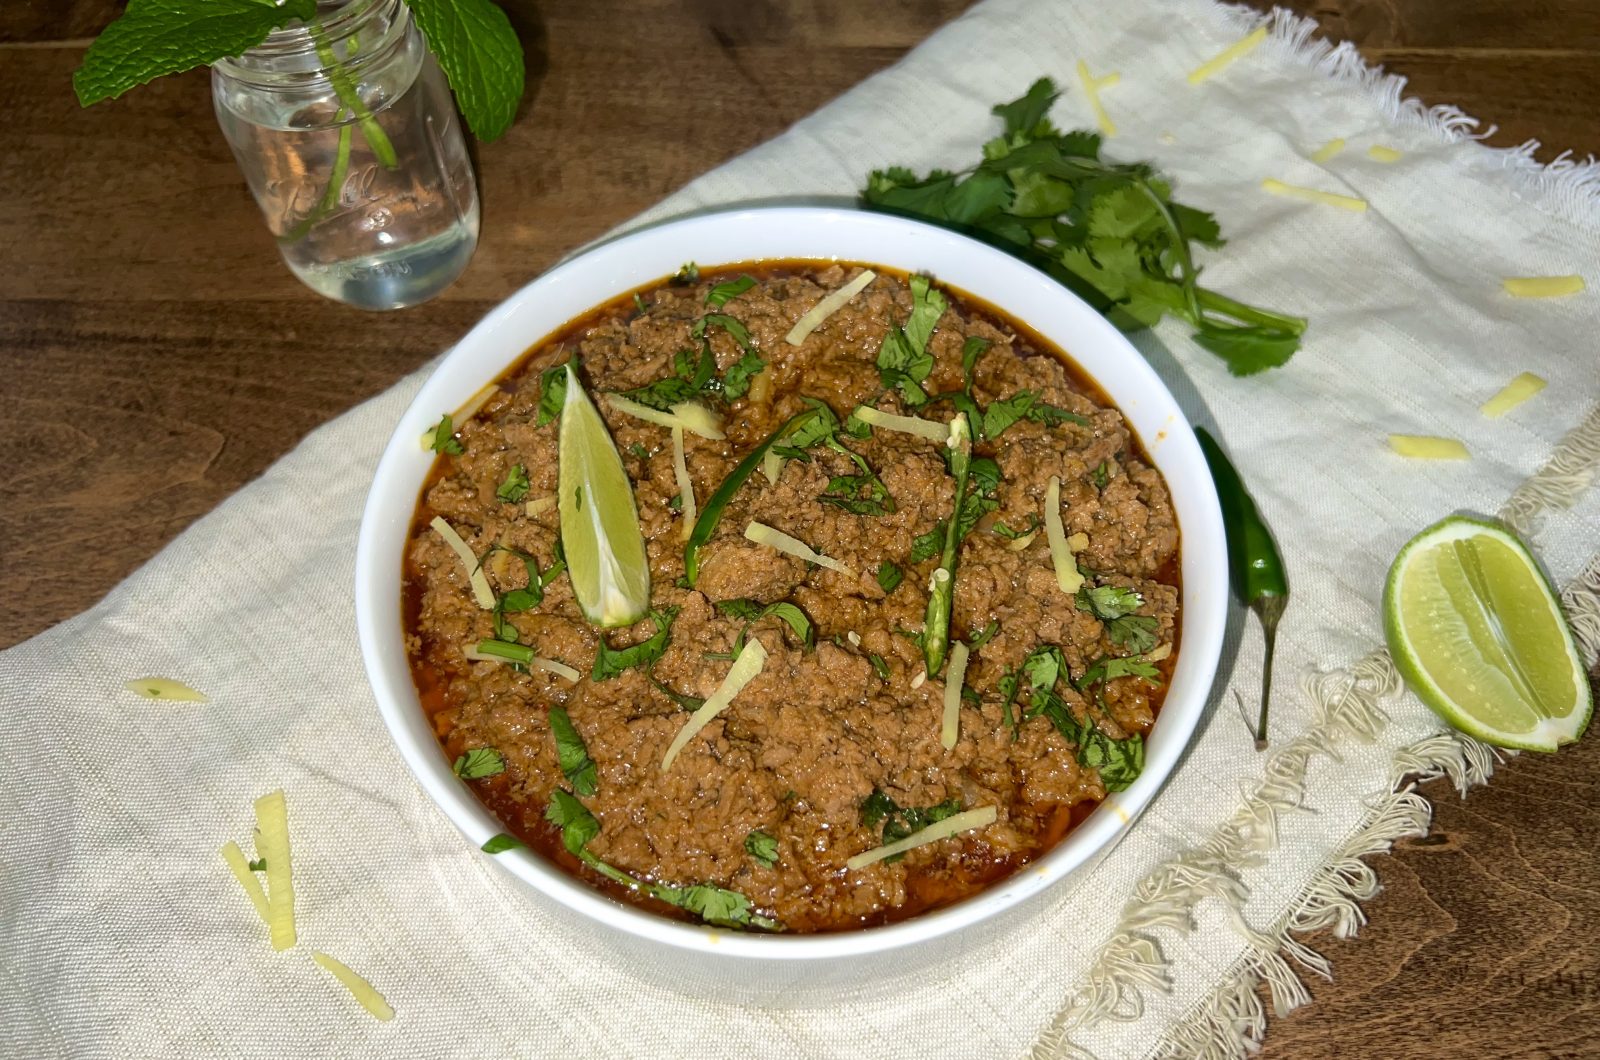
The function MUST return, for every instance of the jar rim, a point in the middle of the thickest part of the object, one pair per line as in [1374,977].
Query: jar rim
[293,53]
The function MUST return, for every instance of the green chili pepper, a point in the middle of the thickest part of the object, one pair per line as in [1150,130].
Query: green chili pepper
[711,514]
[1257,570]
[942,593]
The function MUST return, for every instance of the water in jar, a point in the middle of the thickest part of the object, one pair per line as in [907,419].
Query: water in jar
[369,193]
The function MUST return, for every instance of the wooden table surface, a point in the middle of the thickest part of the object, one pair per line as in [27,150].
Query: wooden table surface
[157,356]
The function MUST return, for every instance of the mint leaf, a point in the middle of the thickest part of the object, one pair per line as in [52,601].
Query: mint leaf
[609,662]
[573,754]
[1002,414]
[889,576]
[723,293]
[158,37]
[480,55]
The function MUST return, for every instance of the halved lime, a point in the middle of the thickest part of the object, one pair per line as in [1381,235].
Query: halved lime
[599,523]
[1476,629]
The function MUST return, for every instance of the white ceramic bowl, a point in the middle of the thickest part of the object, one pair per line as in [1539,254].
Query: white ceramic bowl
[572,289]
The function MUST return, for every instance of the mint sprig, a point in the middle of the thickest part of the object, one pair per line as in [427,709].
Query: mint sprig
[472,39]
[158,37]
[480,55]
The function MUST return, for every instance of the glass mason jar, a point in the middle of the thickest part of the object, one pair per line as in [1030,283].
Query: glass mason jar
[349,139]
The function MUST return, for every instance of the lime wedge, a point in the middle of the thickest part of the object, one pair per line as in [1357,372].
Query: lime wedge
[1476,630]
[599,522]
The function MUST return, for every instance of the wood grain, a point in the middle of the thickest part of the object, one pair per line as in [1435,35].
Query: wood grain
[157,356]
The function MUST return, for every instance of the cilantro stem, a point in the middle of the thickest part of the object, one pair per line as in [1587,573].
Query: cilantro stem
[1180,247]
[1221,303]
[345,89]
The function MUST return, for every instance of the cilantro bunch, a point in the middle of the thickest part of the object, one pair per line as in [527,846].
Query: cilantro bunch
[472,39]
[1110,231]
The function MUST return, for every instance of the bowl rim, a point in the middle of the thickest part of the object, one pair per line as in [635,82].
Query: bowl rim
[631,260]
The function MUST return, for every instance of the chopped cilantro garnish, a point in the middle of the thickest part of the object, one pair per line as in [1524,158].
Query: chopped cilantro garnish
[1108,601]
[479,762]
[499,844]
[1115,606]
[715,905]
[258,865]
[899,822]
[903,359]
[752,612]
[1024,404]
[675,502]
[1118,760]
[515,486]
[736,380]
[690,703]
[859,494]
[926,546]
[609,662]
[984,635]
[687,273]
[1101,475]
[694,373]
[573,754]
[889,576]
[444,439]
[971,350]
[762,847]
[552,393]
[639,451]
[1011,535]
[1108,669]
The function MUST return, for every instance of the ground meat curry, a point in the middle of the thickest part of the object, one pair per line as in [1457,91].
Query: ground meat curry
[834,748]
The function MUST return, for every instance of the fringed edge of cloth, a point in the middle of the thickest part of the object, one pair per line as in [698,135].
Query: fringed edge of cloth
[1229,1022]
[1567,187]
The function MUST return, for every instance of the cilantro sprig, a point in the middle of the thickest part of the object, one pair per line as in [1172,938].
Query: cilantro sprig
[472,39]
[1110,231]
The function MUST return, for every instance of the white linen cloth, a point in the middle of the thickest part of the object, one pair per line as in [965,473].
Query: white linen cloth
[122,934]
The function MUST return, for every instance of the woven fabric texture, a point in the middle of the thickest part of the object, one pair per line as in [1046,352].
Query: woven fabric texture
[122,933]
